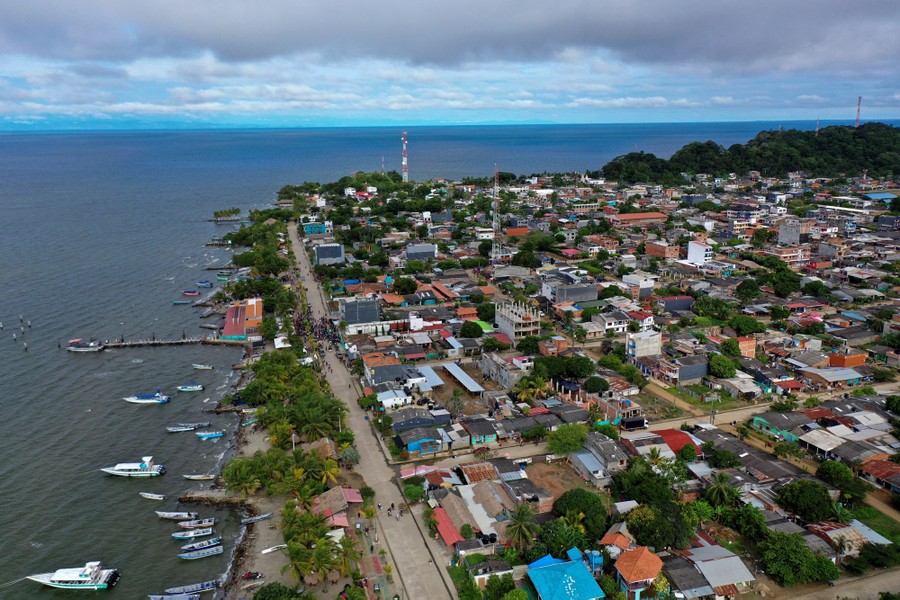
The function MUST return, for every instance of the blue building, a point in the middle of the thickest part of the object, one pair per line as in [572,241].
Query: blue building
[554,579]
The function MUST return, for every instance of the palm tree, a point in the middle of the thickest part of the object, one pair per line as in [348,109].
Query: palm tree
[298,560]
[841,545]
[330,471]
[356,593]
[349,554]
[719,492]
[369,512]
[522,529]
[532,388]
[574,519]
[323,557]
[654,457]
[240,476]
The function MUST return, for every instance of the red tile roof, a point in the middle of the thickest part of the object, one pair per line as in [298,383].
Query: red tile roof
[638,565]
[446,528]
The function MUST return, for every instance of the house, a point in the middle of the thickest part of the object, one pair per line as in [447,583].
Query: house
[685,580]
[555,579]
[686,369]
[637,219]
[482,571]
[781,425]
[481,431]
[723,569]
[884,473]
[420,440]
[360,310]
[329,254]
[243,318]
[423,252]
[636,570]
[830,377]
[410,418]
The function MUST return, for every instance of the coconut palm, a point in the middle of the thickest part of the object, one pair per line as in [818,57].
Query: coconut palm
[719,492]
[841,545]
[532,388]
[349,554]
[654,457]
[330,471]
[356,593]
[574,519]
[240,476]
[521,528]
[299,560]
[323,558]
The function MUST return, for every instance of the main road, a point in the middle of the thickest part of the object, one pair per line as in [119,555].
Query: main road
[417,558]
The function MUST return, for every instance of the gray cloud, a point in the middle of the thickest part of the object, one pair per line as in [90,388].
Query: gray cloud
[722,36]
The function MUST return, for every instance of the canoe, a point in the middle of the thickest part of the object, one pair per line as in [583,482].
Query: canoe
[197,523]
[190,293]
[249,520]
[174,596]
[209,435]
[200,546]
[176,516]
[178,429]
[193,387]
[200,477]
[191,534]
[273,549]
[200,367]
[181,302]
[194,588]
[150,496]
[202,553]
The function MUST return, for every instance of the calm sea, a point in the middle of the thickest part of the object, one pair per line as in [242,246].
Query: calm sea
[99,232]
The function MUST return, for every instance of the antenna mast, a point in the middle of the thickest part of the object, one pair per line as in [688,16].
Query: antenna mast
[858,106]
[496,248]
[405,161]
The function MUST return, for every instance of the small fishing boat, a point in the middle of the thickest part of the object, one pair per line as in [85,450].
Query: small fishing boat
[191,387]
[173,596]
[150,496]
[222,277]
[226,273]
[178,429]
[90,577]
[145,468]
[262,517]
[191,534]
[273,549]
[211,551]
[209,435]
[195,588]
[204,284]
[81,345]
[197,523]
[249,422]
[200,477]
[190,293]
[182,302]
[198,425]
[176,516]
[157,398]
[216,541]
[200,367]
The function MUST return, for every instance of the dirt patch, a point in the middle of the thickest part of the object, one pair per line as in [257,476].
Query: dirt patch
[557,478]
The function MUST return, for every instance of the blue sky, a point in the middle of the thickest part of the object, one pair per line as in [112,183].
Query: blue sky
[235,63]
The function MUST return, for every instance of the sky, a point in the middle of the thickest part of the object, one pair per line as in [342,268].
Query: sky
[293,63]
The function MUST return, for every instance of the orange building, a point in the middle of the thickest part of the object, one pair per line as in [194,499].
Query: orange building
[849,358]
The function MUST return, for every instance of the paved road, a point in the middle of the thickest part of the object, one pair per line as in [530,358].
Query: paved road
[862,588]
[417,559]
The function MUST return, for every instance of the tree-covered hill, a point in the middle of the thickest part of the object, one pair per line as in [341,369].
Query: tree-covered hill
[834,151]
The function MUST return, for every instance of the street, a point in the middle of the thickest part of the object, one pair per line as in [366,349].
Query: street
[418,560]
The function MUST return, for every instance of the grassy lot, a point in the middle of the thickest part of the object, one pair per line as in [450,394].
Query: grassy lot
[725,402]
[878,521]
[657,409]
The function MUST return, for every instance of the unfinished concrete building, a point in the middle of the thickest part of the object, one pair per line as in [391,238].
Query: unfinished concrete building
[518,320]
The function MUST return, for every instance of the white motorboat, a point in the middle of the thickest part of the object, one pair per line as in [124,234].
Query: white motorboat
[199,477]
[200,367]
[200,546]
[156,398]
[150,496]
[211,551]
[176,516]
[145,468]
[262,517]
[191,534]
[192,387]
[90,577]
[173,596]
[195,588]
[80,345]
[273,549]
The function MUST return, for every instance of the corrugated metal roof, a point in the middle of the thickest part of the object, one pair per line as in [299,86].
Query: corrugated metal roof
[470,384]
[431,378]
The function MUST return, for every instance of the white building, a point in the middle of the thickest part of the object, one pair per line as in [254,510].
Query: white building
[699,254]
[644,343]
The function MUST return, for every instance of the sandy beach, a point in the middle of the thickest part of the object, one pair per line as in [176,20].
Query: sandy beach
[261,535]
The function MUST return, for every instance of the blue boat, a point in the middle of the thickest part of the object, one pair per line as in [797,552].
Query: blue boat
[181,301]
[204,284]
[209,435]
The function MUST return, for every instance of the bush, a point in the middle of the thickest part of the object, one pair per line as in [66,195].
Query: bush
[413,492]
[807,499]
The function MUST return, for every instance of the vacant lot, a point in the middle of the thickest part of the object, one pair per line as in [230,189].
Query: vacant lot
[557,478]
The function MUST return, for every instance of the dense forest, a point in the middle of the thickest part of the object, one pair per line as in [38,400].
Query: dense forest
[832,152]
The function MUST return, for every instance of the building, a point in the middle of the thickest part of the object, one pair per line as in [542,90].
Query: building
[699,254]
[793,233]
[360,310]
[421,252]
[644,343]
[315,228]
[554,579]
[330,254]
[507,372]
[557,291]
[638,219]
[661,249]
[517,320]
[243,318]
[636,570]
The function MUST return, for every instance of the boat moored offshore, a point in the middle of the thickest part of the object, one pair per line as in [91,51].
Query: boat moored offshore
[195,588]
[191,534]
[211,551]
[145,468]
[155,398]
[176,516]
[90,577]
[81,345]
[200,367]
[191,387]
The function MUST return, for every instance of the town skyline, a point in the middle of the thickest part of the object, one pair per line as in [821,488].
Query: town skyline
[103,65]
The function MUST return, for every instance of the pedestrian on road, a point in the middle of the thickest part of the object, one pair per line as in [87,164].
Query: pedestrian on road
[389,512]
[379,506]
[392,506]
[371,548]
[430,562]
[398,516]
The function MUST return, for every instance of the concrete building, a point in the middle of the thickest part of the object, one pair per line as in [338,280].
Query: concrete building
[644,343]
[793,233]
[517,320]
[329,254]
[661,249]
[421,252]
[699,254]
[556,290]
[507,372]
[360,310]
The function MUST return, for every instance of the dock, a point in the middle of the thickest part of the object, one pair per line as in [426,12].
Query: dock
[212,341]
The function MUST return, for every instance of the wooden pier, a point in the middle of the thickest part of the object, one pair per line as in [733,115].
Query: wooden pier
[173,342]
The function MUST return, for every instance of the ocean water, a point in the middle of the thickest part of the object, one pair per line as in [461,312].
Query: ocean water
[99,232]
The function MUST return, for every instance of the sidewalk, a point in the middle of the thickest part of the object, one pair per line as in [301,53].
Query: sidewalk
[418,572]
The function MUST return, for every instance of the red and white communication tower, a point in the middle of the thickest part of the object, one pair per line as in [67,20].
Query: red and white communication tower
[405,160]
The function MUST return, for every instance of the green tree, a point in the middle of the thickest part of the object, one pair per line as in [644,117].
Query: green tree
[275,591]
[745,325]
[779,313]
[484,248]
[567,438]
[525,258]
[720,366]
[747,291]
[497,587]
[807,499]
[515,595]
[521,528]
[528,344]
[350,455]
[413,492]
[471,329]
[559,536]
[720,492]
[486,311]
[730,347]
[405,285]
[687,453]
[589,504]
[789,561]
